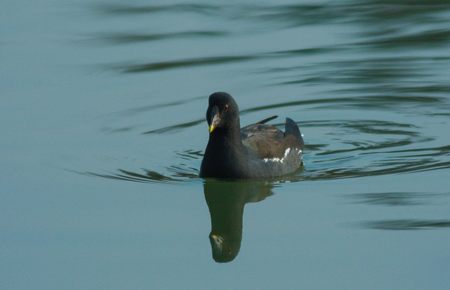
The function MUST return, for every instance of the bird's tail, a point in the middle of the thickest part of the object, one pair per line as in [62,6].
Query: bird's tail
[291,128]
[267,119]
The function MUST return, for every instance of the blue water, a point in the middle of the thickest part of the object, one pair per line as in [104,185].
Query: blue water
[102,109]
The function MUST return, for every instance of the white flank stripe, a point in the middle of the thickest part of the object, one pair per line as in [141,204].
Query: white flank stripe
[281,160]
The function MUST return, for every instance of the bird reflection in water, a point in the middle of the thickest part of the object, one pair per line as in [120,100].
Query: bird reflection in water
[226,201]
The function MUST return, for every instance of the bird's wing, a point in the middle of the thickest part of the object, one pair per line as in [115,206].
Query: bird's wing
[265,140]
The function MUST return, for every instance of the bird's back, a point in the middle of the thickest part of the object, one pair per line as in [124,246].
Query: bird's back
[272,151]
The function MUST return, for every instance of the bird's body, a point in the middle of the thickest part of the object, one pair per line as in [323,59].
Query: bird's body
[255,151]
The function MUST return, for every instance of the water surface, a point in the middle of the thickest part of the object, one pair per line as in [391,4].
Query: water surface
[102,120]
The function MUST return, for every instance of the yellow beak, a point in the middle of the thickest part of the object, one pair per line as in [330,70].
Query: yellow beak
[211,128]
[214,122]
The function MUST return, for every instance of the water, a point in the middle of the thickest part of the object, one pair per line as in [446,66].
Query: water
[102,121]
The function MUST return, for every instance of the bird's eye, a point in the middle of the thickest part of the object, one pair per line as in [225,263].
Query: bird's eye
[226,108]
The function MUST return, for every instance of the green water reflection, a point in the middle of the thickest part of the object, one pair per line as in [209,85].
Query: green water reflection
[226,201]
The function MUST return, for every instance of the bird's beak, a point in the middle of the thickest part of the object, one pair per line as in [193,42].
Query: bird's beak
[215,120]
[211,128]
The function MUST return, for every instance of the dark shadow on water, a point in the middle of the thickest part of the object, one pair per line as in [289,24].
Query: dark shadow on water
[126,38]
[145,175]
[407,224]
[130,9]
[226,201]
[389,77]
[145,109]
[369,12]
[183,171]
[184,63]
[174,128]
[423,39]
[392,198]
[214,60]
[386,169]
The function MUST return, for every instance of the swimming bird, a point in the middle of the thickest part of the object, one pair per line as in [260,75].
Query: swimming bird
[255,151]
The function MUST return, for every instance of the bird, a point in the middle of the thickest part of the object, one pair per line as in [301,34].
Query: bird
[255,151]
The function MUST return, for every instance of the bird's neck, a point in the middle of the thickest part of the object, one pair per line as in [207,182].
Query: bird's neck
[226,138]
[224,153]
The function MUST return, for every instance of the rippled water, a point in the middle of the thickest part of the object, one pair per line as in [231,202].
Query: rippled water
[103,132]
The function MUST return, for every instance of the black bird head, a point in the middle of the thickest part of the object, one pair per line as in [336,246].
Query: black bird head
[222,113]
